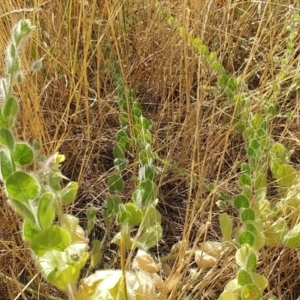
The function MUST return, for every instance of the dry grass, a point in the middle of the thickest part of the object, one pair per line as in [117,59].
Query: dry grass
[71,107]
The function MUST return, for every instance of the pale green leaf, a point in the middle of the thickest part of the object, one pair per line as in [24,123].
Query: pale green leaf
[68,194]
[30,230]
[6,164]
[7,139]
[46,212]
[21,186]
[292,238]
[23,154]
[244,277]
[52,238]
[259,280]
[23,209]
[251,292]
[226,226]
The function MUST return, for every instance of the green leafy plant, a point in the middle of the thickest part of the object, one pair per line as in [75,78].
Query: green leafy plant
[36,190]
[263,223]
[134,133]
[57,241]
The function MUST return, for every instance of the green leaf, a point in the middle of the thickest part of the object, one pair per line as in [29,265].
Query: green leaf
[275,233]
[235,288]
[152,217]
[278,151]
[224,196]
[145,194]
[150,237]
[260,194]
[91,217]
[244,180]
[244,278]
[69,193]
[30,230]
[260,281]
[147,172]
[120,163]
[226,226]
[22,31]
[245,168]
[232,84]
[216,67]
[251,261]
[113,203]
[203,50]
[52,238]
[251,227]
[37,145]
[212,56]
[10,108]
[116,183]
[71,225]
[274,166]
[252,152]
[97,253]
[22,186]
[123,139]
[241,201]
[261,132]
[248,214]
[264,207]
[250,292]
[23,209]
[228,295]
[118,152]
[7,139]
[146,157]
[142,137]
[126,238]
[246,237]
[255,144]
[260,181]
[145,124]
[242,254]
[257,229]
[12,51]
[137,109]
[62,269]
[6,165]
[69,222]
[5,122]
[260,241]
[123,119]
[23,154]
[46,212]
[54,180]
[130,214]
[292,238]
[223,80]
[258,122]
[252,162]
[286,175]
[210,187]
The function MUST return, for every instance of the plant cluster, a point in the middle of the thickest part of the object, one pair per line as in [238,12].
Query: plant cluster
[36,190]
[34,187]
[263,223]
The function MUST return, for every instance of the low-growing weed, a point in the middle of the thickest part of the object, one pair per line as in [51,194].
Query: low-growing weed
[36,190]
[263,223]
